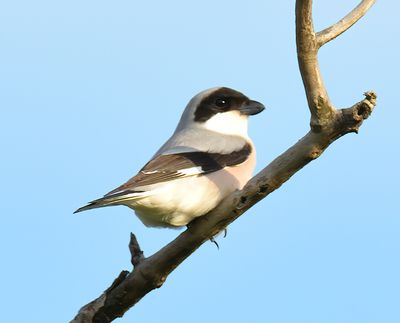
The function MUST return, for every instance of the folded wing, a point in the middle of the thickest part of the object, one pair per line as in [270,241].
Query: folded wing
[168,167]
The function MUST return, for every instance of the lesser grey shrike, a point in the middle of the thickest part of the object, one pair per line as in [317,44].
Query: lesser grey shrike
[209,156]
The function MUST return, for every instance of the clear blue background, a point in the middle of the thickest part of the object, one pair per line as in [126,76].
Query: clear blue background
[90,89]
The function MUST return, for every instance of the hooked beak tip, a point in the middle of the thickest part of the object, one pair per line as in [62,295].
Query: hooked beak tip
[252,107]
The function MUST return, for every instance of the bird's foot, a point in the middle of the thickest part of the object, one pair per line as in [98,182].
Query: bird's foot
[213,238]
[214,242]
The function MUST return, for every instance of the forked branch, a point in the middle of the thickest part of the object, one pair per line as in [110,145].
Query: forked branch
[308,44]
[327,125]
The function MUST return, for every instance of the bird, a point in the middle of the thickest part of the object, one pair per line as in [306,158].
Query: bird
[209,156]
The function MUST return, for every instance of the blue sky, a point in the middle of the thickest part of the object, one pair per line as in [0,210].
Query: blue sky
[90,89]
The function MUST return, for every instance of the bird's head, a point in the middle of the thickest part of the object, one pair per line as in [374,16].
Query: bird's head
[220,109]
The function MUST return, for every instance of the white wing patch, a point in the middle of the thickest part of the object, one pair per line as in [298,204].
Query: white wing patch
[150,172]
[191,171]
[185,172]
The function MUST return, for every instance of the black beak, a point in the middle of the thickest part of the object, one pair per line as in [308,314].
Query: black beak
[251,108]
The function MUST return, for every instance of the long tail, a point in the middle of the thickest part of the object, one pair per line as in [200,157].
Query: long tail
[115,199]
[93,205]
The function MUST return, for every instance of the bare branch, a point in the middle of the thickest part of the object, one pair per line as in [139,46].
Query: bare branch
[308,44]
[86,313]
[327,125]
[151,272]
[342,25]
[307,49]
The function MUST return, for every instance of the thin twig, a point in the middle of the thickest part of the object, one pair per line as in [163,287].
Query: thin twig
[345,23]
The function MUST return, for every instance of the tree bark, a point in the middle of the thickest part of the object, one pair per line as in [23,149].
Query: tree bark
[327,124]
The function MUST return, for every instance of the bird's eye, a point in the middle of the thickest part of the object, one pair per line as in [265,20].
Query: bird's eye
[221,103]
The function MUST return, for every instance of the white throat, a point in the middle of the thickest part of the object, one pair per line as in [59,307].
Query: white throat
[228,123]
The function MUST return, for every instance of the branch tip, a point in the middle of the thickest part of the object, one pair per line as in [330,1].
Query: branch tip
[371,96]
[352,118]
[136,253]
[366,106]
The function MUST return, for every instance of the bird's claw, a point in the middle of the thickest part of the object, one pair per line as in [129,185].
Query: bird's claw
[214,242]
